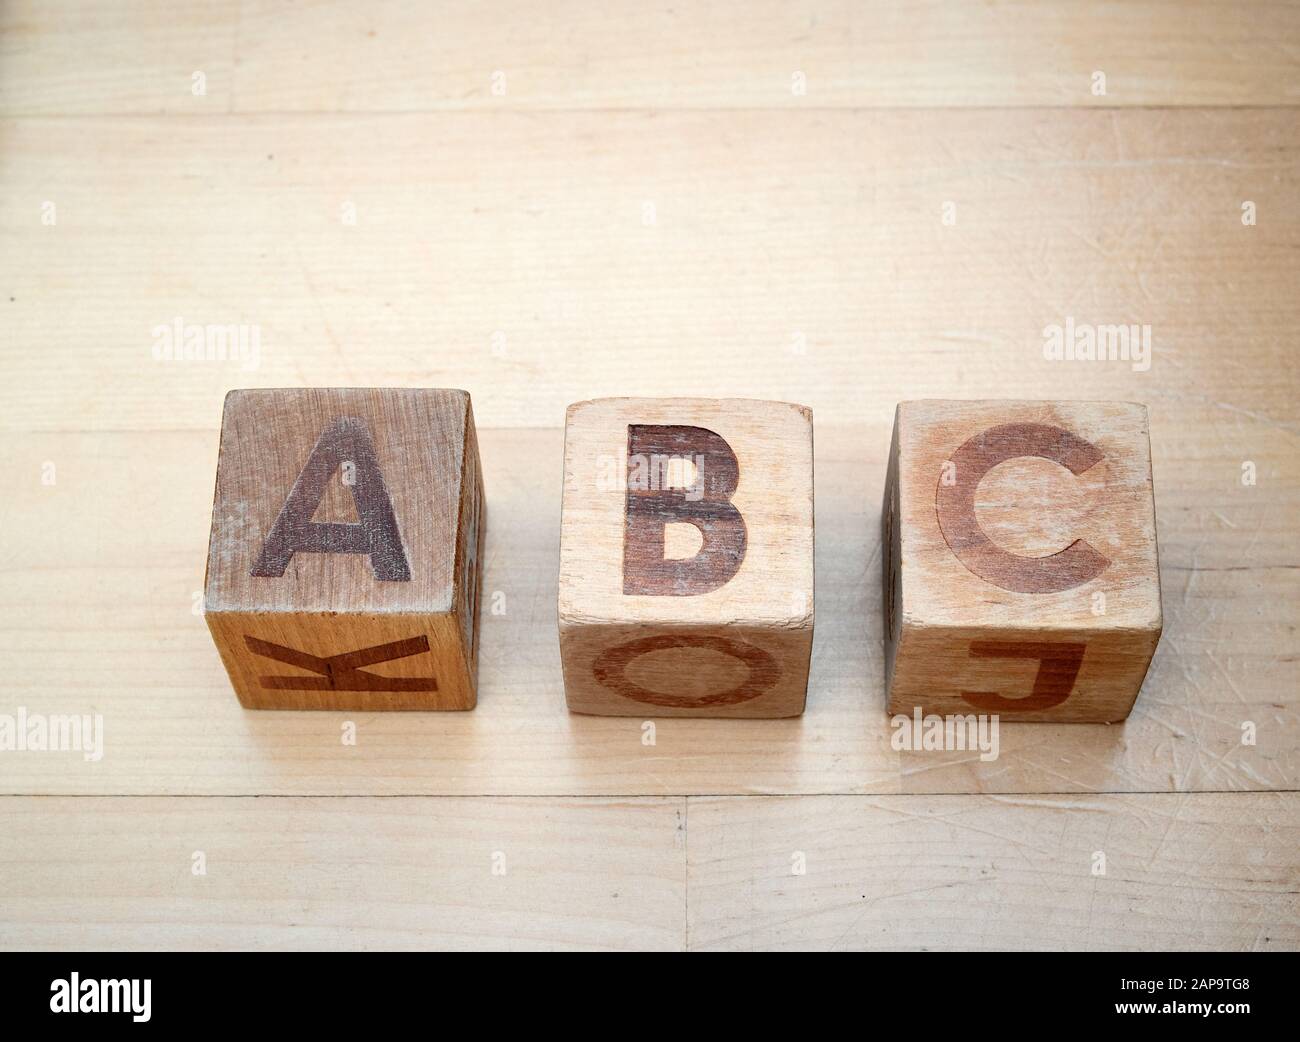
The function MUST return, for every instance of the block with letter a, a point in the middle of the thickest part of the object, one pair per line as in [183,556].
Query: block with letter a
[1020,568]
[686,557]
[344,559]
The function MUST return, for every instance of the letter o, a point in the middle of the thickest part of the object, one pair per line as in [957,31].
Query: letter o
[610,669]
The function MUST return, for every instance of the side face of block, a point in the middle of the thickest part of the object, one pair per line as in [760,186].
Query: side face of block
[1021,574]
[344,559]
[686,557]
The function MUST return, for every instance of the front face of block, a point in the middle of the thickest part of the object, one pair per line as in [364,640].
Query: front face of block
[343,566]
[1021,575]
[686,557]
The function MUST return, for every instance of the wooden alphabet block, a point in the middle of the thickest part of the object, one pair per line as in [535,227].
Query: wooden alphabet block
[686,557]
[344,560]
[1020,570]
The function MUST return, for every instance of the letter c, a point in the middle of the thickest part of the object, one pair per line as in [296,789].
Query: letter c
[1077,564]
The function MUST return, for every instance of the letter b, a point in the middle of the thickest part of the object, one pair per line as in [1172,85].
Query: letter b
[651,507]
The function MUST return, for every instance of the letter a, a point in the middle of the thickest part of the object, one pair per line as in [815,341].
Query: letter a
[707,506]
[344,440]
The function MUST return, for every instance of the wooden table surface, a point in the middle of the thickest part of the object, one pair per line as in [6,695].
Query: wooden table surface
[838,204]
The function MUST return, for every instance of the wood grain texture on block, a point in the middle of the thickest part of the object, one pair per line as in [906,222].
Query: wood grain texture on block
[686,557]
[1021,575]
[344,564]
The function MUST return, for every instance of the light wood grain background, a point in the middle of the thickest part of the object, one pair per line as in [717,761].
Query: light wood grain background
[648,209]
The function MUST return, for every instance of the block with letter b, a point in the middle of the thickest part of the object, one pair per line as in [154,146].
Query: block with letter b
[686,557]
[344,559]
[1020,568]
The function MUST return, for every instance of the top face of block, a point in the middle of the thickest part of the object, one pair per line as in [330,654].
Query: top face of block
[374,472]
[1016,514]
[687,511]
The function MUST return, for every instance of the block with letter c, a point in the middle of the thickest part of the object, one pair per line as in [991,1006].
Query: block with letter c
[1020,566]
